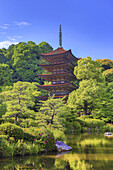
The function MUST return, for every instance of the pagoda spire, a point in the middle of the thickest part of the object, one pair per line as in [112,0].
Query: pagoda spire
[60,37]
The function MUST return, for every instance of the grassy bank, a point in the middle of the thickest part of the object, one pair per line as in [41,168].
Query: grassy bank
[15,140]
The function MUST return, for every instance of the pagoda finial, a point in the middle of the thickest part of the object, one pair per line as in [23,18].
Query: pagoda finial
[60,38]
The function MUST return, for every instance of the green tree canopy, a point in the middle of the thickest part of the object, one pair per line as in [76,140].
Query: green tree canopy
[5,75]
[3,59]
[45,47]
[51,111]
[105,104]
[105,63]
[108,75]
[23,59]
[20,99]
[88,69]
[84,99]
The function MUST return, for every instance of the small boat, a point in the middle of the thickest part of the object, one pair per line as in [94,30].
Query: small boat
[108,134]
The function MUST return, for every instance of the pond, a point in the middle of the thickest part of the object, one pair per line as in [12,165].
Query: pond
[90,151]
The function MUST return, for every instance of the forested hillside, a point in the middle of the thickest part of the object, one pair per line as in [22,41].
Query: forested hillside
[20,62]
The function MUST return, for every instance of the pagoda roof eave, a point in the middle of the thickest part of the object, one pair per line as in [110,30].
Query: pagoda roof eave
[69,76]
[53,53]
[69,86]
[73,55]
[53,85]
[58,64]
[56,74]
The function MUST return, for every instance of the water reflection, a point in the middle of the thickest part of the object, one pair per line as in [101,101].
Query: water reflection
[92,151]
[28,162]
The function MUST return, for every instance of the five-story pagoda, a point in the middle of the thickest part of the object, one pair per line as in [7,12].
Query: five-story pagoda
[61,66]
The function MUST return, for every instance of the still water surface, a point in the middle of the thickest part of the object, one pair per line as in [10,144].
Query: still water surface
[90,151]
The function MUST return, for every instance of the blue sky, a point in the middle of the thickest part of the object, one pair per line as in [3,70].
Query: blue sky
[87,25]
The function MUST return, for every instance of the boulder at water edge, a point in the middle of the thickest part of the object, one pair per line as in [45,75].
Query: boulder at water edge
[62,146]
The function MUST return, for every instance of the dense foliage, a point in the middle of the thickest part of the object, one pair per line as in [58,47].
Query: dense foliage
[29,126]
[12,131]
[94,95]
[20,99]
[33,141]
[20,62]
[107,68]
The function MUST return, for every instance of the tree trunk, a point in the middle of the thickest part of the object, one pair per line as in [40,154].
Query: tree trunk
[52,116]
[85,107]
[15,121]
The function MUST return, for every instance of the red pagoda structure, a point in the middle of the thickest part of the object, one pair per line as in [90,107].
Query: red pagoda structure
[61,65]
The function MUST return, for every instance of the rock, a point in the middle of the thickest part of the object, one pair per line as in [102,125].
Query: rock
[62,146]
[108,134]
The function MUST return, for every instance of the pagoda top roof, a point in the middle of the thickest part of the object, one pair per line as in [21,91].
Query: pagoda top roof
[57,51]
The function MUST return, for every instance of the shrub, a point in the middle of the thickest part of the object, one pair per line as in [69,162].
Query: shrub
[32,122]
[28,136]
[21,148]
[12,130]
[32,148]
[11,140]
[77,126]
[26,123]
[70,125]
[6,148]
[3,137]
[3,147]
[81,121]
[84,129]
[6,120]
[58,135]
[2,120]
[108,127]
[1,132]
[42,137]
[92,123]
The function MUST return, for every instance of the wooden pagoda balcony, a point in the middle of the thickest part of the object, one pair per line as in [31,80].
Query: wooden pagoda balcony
[57,78]
[60,66]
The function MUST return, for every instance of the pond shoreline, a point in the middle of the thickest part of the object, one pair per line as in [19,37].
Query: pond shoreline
[89,151]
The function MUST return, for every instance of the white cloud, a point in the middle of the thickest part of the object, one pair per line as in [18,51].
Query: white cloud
[14,38]
[4,27]
[23,23]
[6,44]
[6,24]
[11,38]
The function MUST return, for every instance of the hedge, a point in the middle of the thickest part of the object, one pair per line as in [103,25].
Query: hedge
[12,130]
